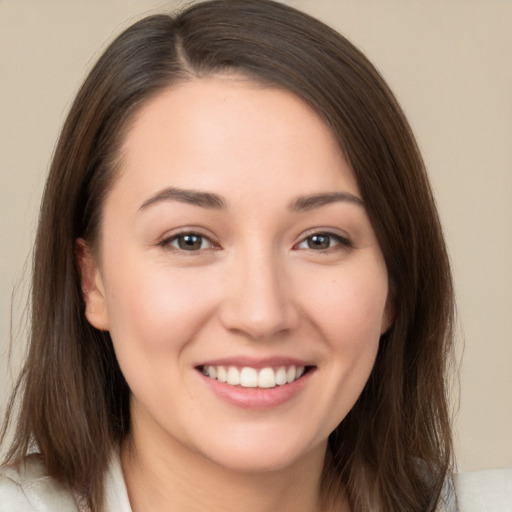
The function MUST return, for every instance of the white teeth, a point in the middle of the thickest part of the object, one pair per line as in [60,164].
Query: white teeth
[233,376]
[249,377]
[281,376]
[266,378]
[222,374]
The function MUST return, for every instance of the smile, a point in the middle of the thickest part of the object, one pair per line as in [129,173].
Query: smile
[248,377]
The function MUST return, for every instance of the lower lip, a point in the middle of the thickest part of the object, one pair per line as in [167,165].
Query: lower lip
[256,398]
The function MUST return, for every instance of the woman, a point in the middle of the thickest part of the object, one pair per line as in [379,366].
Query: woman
[241,294]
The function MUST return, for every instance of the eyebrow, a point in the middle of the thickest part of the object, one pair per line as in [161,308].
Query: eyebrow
[313,201]
[193,197]
[214,201]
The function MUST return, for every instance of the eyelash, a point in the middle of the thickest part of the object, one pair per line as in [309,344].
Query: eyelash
[168,242]
[335,241]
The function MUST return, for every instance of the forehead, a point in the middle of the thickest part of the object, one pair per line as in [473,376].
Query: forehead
[231,129]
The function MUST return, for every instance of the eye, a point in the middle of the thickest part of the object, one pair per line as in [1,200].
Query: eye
[323,242]
[190,242]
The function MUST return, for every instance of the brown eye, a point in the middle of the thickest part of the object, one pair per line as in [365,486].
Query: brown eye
[319,242]
[189,242]
[324,241]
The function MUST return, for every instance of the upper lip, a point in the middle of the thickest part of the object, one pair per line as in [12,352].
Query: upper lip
[257,363]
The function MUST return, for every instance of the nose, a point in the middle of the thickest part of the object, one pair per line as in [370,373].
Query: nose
[260,303]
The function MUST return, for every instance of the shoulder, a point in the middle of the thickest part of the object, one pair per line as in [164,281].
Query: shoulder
[26,487]
[488,490]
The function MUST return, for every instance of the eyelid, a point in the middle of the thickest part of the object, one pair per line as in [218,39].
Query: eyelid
[166,240]
[344,240]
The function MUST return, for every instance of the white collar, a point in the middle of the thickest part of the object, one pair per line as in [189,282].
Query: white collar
[116,495]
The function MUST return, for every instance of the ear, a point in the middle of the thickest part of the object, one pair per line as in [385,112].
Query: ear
[93,291]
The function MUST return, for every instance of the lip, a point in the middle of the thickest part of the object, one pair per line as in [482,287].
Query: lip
[257,399]
[258,364]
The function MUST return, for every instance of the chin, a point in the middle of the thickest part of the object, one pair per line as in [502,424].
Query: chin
[262,454]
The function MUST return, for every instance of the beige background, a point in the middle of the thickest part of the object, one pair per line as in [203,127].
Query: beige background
[450,64]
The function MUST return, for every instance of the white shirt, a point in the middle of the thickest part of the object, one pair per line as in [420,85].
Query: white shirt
[29,489]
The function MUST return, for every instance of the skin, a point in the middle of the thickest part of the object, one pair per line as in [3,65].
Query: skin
[256,287]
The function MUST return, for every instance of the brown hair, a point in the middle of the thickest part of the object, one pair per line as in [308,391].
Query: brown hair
[393,451]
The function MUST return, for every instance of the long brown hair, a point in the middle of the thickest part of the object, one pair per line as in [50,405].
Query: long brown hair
[393,451]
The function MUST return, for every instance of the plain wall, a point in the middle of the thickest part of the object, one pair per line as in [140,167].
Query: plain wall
[450,65]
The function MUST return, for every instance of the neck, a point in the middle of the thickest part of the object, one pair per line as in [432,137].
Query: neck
[167,476]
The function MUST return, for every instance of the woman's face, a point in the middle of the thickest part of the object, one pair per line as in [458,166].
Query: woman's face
[238,274]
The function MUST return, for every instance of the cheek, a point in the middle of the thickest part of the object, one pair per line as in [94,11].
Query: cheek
[154,309]
[154,316]
[349,312]
[351,309]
